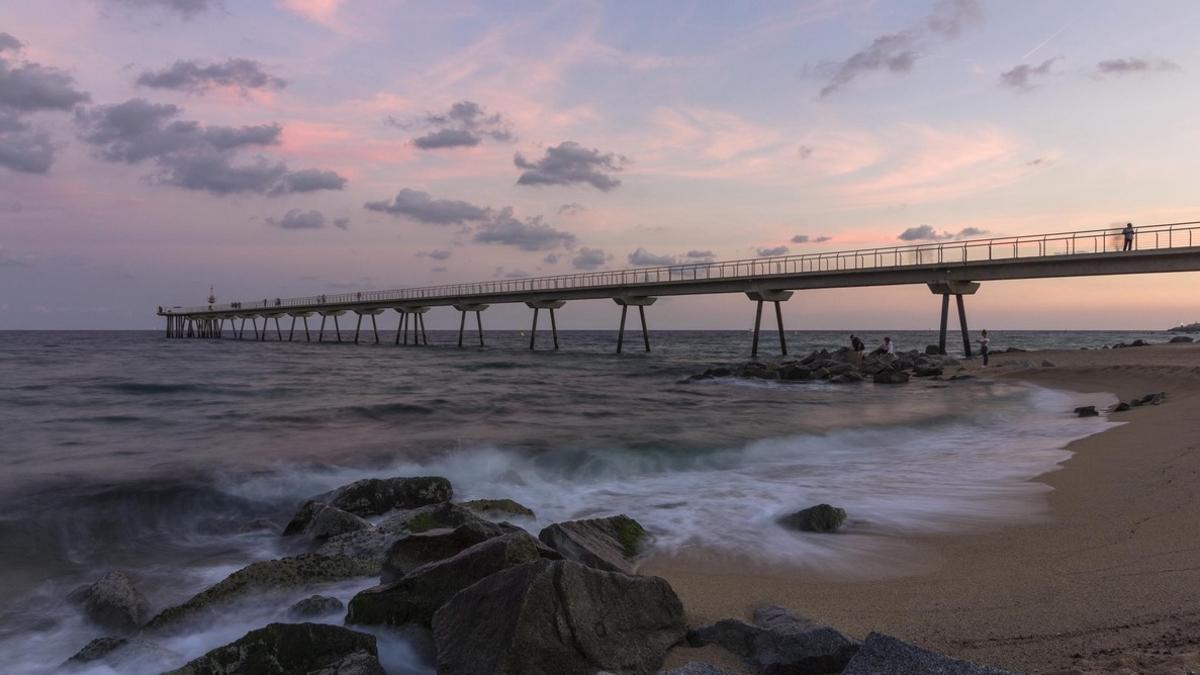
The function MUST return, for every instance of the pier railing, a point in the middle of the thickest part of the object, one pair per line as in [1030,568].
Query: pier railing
[1022,247]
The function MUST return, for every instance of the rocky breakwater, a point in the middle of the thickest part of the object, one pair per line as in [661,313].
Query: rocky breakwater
[841,367]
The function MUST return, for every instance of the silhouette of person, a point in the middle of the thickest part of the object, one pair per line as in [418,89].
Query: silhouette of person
[1128,232]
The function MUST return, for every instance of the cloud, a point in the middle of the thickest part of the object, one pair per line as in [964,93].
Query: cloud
[771,252]
[643,258]
[30,87]
[300,220]
[195,77]
[9,42]
[694,254]
[517,274]
[465,124]
[1019,77]
[438,269]
[574,208]
[568,163]
[530,234]
[806,239]
[551,259]
[805,151]
[927,233]
[436,254]
[192,156]
[187,8]
[1135,65]
[25,150]
[898,52]
[589,259]
[419,206]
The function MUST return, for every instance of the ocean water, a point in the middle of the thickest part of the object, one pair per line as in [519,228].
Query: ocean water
[180,460]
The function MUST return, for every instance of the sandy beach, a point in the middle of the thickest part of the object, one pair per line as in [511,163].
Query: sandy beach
[1108,582]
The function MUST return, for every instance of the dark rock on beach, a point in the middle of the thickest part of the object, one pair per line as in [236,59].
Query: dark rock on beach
[498,509]
[315,606]
[885,655]
[611,544]
[819,518]
[1087,411]
[779,643]
[1180,338]
[1150,399]
[268,575]
[292,649]
[113,603]
[425,518]
[891,377]
[377,496]
[415,597]
[1121,407]
[320,521]
[119,655]
[550,617]
[411,551]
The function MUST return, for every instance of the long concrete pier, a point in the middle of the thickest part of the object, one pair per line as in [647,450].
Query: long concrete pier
[947,268]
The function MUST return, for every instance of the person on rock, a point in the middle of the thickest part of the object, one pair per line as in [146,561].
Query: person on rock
[857,349]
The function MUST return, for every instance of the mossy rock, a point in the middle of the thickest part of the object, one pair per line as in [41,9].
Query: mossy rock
[499,507]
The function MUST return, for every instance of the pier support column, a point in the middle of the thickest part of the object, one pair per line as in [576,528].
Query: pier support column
[374,326]
[958,289]
[335,313]
[242,332]
[278,332]
[551,305]
[641,302]
[400,327]
[462,322]
[417,324]
[292,329]
[775,296]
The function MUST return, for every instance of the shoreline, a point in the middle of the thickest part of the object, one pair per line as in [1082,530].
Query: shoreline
[1107,581]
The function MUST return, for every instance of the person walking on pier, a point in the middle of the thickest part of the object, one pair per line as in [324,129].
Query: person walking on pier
[1128,232]
[984,346]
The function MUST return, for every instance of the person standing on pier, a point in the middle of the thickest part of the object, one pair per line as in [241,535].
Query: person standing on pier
[1128,232]
[984,346]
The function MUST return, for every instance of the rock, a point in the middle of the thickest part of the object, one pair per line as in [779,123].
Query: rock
[1086,411]
[779,643]
[819,518]
[1011,350]
[885,655]
[411,551]
[795,373]
[1047,364]
[292,649]
[315,606]
[268,575]
[320,521]
[891,377]
[498,508]
[549,617]
[1180,338]
[377,496]
[927,370]
[120,654]
[434,517]
[611,544]
[369,544]
[846,378]
[1150,399]
[696,668]
[1121,407]
[113,603]
[417,595]
[932,349]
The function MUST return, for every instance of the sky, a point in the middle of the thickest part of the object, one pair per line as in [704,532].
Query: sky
[275,148]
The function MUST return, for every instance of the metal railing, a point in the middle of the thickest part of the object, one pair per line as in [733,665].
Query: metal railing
[1108,240]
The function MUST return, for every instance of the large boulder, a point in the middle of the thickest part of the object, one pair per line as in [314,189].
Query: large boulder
[885,655]
[377,496]
[611,544]
[369,544]
[113,602]
[426,518]
[1086,411]
[550,617]
[891,376]
[499,509]
[292,649]
[415,597]
[320,521]
[779,643]
[819,518]
[411,551]
[119,655]
[269,575]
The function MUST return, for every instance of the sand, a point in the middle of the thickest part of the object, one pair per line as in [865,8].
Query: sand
[1109,582]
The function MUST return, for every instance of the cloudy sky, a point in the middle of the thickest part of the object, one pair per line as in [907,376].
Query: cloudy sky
[150,148]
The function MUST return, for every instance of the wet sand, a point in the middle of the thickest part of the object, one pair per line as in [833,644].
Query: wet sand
[1109,582]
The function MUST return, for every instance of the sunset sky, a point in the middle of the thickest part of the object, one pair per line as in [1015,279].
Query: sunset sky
[150,148]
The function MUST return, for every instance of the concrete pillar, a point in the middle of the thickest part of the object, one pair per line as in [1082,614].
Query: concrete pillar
[775,296]
[375,327]
[463,308]
[958,289]
[641,302]
[551,305]
[335,313]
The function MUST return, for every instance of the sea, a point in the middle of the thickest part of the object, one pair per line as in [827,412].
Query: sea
[179,461]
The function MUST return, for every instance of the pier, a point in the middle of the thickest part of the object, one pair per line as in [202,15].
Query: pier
[948,268]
